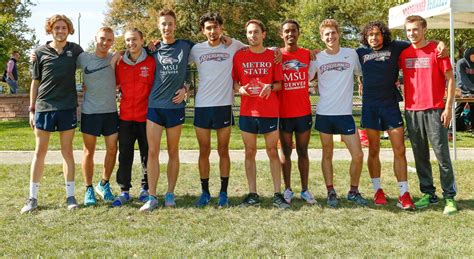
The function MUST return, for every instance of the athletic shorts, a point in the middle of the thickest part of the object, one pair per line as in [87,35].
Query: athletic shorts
[335,124]
[216,117]
[296,124]
[98,124]
[381,117]
[167,118]
[56,120]
[258,125]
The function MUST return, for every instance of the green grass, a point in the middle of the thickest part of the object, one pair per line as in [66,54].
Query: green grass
[17,135]
[349,231]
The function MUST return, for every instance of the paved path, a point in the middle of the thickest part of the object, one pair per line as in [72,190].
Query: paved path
[191,156]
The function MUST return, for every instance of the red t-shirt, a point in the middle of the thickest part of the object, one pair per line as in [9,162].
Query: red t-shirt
[250,67]
[423,77]
[294,96]
[135,83]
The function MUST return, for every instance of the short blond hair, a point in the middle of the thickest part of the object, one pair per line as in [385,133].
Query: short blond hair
[416,18]
[328,23]
[48,27]
[105,29]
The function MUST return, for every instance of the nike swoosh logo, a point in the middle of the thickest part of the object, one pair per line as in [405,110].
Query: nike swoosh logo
[273,126]
[90,71]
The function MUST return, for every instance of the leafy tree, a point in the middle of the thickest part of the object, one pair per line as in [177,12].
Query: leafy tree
[14,36]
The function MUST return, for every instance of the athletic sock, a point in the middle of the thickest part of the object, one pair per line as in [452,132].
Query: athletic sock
[403,187]
[205,185]
[330,188]
[104,182]
[87,186]
[376,183]
[34,187]
[224,183]
[69,189]
[354,189]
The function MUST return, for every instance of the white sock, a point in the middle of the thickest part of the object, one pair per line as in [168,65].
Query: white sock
[34,187]
[69,189]
[376,183]
[403,187]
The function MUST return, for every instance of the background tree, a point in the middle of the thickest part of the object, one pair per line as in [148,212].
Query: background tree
[15,35]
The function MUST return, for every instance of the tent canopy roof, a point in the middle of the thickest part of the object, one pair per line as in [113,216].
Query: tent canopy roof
[436,12]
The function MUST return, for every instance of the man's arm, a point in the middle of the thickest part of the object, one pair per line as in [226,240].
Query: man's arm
[463,79]
[10,66]
[33,94]
[447,113]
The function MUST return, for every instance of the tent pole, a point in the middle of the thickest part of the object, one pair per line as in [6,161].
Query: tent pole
[451,53]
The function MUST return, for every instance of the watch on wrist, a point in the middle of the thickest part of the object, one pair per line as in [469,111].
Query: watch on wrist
[272,86]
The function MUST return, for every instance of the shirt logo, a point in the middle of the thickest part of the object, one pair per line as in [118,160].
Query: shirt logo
[293,65]
[144,72]
[169,60]
[377,56]
[90,71]
[336,66]
[417,63]
[219,57]
[69,53]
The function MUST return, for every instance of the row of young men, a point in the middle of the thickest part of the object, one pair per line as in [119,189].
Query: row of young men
[254,74]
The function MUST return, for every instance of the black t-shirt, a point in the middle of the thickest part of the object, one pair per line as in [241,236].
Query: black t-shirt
[57,76]
[380,72]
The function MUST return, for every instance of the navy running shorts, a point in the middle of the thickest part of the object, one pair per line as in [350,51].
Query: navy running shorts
[258,125]
[335,124]
[381,117]
[215,117]
[56,120]
[98,124]
[167,118]
[296,124]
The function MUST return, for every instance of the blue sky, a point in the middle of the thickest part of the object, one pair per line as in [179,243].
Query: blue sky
[92,17]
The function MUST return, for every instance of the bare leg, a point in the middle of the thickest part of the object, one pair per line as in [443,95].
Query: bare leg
[250,143]
[223,138]
[110,155]
[88,158]
[286,150]
[397,138]
[373,161]
[271,140]
[353,144]
[326,162]
[302,141]
[172,139]
[153,135]
[37,164]
[65,138]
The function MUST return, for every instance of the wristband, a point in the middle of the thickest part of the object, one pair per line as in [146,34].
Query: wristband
[272,86]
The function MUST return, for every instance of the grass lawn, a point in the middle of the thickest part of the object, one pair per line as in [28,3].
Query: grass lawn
[17,135]
[348,231]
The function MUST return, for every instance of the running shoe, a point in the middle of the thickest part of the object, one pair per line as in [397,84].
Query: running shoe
[143,195]
[203,200]
[169,200]
[332,200]
[105,191]
[252,199]
[121,199]
[223,200]
[450,207]
[150,204]
[89,197]
[288,195]
[379,198]
[30,205]
[280,202]
[357,198]
[308,197]
[426,200]
[71,203]
[405,202]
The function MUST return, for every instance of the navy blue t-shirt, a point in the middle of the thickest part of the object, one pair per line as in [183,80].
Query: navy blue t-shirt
[170,74]
[380,73]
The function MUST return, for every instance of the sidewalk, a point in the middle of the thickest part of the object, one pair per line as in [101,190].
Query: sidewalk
[191,156]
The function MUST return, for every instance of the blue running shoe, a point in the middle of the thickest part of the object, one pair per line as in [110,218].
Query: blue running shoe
[150,204]
[223,200]
[204,199]
[89,197]
[121,199]
[143,195]
[357,198]
[105,191]
[169,200]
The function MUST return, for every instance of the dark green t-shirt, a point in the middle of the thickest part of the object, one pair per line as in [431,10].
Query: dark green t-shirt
[57,76]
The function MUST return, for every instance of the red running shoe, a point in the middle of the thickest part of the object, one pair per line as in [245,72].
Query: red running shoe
[405,202]
[379,198]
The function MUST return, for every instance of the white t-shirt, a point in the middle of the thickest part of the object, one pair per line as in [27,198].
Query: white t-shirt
[336,81]
[214,65]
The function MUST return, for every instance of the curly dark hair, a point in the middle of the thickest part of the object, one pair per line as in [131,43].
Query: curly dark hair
[387,35]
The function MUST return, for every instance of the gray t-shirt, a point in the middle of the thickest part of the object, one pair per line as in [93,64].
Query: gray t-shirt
[170,73]
[99,78]
[57,76]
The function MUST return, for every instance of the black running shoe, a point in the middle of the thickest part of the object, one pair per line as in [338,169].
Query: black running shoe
[280,202]
[252,199]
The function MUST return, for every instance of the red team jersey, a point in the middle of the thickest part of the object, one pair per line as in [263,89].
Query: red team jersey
[423,77]
[294,96]
[250,66]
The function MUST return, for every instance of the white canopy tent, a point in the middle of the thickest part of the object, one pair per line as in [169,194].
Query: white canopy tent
[440,14]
